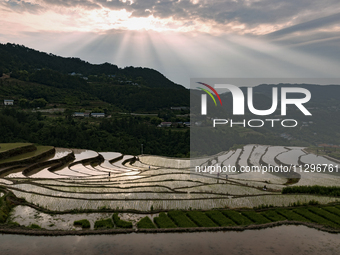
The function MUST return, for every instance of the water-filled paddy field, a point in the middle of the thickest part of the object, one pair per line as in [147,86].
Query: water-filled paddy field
[94,185]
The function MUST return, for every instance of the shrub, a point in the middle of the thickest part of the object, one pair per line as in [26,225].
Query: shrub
[181,219]
[83,223]
[121,223]
[201,219]
[145,223]
[220,219]
[105,223]
[163,221]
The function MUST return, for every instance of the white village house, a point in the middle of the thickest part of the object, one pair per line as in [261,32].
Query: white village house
[8,102]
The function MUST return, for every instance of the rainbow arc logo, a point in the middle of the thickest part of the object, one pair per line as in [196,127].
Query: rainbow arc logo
[209,93]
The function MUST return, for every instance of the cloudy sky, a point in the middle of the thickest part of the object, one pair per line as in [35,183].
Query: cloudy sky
[185,39]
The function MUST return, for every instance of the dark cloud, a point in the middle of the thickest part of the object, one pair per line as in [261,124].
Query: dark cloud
[74,3]
[218,12]
[22,6]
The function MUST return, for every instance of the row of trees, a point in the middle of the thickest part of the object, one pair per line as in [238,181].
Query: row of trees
[122,135]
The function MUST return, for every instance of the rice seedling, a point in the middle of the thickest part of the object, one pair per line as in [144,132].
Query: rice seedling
[237,217]
[220,219]
[181,219]
[163,221]
[201,219]
[145,223]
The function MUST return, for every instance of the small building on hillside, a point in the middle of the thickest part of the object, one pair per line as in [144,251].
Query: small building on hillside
[98,115]
[166,124]
[78,114]
[8,102]
[187,124]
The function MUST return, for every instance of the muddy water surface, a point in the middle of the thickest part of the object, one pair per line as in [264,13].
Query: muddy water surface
[279,240]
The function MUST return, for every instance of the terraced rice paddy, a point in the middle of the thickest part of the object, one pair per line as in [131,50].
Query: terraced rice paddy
[92,181]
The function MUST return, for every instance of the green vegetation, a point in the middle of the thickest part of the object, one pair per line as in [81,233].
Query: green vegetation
[123,134]
[34,226]
[256,217]
[121,223]
[325,214]
[38,151]
[181,219]
[314,217]
[163,221]
[220,219]
[201,219]
[333,210]
[83,223]
[273,215]
[5,208]
[237,217]
[10,146]
[290,215]
[145,223]
[105,223]
[315,190]
[333,152]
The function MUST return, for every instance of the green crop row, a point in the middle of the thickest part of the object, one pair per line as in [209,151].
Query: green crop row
[106,223]
[314,217]
[121,223]
[220,219]
[237,217]
[290,215]
[333,210]
[181,219]
[273,215]
[327,215]
[145,223]
[315,189]
[83,223]
[256,217]
[163,221]
[201,219]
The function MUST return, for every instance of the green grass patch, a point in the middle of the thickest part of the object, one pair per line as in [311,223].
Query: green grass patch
[201,219]
[315,218]
[256,217]
[163,221]
[83,223]
[145,223]
[181,219]
[121,223]
[237,217]
[105,223]
[220,219]
[273,215]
